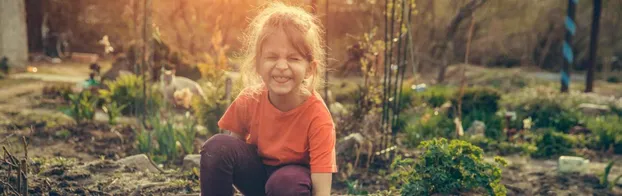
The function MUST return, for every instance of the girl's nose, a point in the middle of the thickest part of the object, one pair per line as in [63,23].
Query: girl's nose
[281,64]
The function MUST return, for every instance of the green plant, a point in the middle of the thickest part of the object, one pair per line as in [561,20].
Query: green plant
[354,188]
[613,79]
[448,168]
[145,141]
[113,110]
[478,100]
[164,134]
[208,111]
[503,148]
[127,89]
[81,106]
[604,179]
[607,131]
[553,143]
[494,123]
[187,133]
[166,141]
[436,96]
[549,114]
[548,108]
[430,125]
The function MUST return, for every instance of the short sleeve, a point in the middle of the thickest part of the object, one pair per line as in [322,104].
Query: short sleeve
[322,139]
[235,118]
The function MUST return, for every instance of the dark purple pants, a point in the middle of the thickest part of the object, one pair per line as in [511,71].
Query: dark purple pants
[227,161]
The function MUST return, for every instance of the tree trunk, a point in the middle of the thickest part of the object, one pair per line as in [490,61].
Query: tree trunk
[34,19]
[13,32]
[464,12]
[589,86]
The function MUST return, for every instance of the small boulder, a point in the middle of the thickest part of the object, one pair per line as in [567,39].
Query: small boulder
[191,161]
[349,141]
[141,162]
[477,128]
[594,109]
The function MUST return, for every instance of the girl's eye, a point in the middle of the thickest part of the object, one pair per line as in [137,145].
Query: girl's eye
[271,58]
[294,58]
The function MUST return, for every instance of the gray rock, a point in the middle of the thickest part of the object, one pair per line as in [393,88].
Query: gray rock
[140,162]
[349,141]
[191,161]
[594,109]
[477,128]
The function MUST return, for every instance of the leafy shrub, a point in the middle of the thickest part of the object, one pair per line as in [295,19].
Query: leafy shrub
[616,110]
[167,140]
[113,110]
[436,96]
[82,106]
[494,123]
[614,79]
[478,100]
[186,134]
[127,89]
[430,125]
[480,103]
[549,114]
[607,132]
[448,168]
[552,143]
[550,109]
[209,110]
[503,148]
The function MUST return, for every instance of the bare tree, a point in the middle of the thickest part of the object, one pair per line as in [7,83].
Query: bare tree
[441,51]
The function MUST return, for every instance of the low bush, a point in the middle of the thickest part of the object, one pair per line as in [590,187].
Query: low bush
[208,111]
[553,143]
[448,167]
[607,133]
[430,125]
[82,106]
[436,96]
[478,100]
[127,89]
[503,148]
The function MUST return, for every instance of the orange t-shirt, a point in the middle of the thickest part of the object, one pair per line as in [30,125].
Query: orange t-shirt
[304,135]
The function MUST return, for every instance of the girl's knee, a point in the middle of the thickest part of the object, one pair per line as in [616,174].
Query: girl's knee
[289,180]
[217,144]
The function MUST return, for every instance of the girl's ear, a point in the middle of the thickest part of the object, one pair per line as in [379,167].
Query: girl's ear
[312,69]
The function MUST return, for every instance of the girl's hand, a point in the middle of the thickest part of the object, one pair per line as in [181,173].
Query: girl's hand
[321,183]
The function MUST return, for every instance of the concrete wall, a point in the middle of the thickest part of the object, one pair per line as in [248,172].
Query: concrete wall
[13,34]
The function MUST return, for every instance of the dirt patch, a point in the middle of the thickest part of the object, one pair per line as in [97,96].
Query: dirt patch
[59,176]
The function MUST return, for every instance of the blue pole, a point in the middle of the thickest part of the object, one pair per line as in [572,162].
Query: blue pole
[567,49]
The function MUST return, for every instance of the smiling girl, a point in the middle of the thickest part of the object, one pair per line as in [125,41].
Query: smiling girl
[282,139]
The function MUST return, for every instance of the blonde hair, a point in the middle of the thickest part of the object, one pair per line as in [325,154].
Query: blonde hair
[303,30]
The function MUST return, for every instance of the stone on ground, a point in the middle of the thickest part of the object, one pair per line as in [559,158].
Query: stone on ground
[594,109]
[191,161]
[140,162]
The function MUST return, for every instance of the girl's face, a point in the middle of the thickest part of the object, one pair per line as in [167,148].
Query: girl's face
[281,67]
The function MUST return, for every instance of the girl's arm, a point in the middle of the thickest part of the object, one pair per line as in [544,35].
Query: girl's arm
[321,183]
